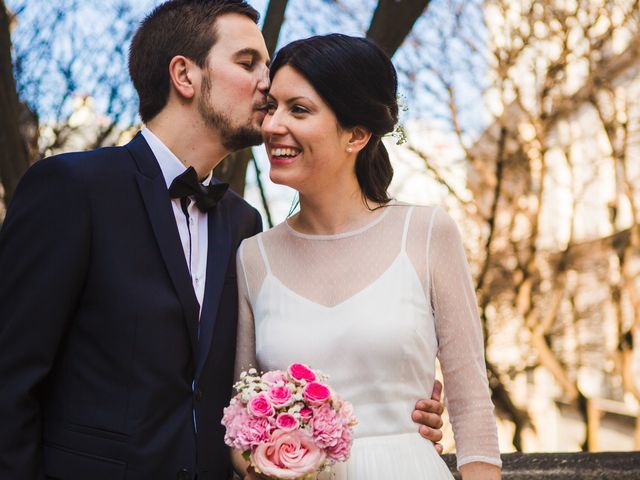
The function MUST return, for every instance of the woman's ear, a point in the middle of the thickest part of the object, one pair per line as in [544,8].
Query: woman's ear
[358,139]
[181,73]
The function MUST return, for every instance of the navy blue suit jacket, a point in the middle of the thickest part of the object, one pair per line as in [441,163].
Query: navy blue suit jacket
[103,361]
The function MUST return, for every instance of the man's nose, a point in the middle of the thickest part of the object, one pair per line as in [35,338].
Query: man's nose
[263,81]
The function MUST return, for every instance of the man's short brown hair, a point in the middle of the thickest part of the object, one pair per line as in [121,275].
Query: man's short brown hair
[176,27]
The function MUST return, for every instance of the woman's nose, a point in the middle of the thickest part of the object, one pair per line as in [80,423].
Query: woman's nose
[272,124]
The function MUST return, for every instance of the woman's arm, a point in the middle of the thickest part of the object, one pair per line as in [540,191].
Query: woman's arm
[246,339]
[461,351]
[245,342]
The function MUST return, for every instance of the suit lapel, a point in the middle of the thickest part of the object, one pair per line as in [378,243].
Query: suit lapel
[158,205]
[219,249]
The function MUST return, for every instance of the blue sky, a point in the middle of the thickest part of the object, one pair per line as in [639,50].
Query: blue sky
[92,40]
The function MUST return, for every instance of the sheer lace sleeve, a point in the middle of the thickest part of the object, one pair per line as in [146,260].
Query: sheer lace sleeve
[250,271]
[460,344]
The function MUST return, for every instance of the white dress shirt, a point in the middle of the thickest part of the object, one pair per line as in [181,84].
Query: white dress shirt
[195,254]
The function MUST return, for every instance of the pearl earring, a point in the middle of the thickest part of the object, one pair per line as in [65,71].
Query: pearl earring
[349,149]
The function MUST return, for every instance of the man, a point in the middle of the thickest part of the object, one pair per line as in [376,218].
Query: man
[118,286]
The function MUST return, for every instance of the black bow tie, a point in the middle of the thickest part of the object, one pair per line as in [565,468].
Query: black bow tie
[187,185]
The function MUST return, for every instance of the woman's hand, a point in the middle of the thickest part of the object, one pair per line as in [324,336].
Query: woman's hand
[480,471]
[253,475]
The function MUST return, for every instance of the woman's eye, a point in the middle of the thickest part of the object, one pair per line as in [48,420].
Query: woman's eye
[271,107]
[299,109]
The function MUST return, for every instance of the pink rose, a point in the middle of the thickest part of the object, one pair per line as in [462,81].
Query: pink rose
[286,421]
[280,396]
[306,413]
[316,393]
[327,426]
[299,372]
[288,455]
[340,451]
[273,377]
[260,406]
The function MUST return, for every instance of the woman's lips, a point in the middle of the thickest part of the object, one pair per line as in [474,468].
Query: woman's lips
[282,160]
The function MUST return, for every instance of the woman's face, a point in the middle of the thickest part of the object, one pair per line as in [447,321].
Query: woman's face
[304,142]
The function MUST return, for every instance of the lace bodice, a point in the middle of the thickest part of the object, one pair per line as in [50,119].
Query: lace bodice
[372,308]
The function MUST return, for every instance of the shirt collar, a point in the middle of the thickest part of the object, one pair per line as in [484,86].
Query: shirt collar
[170,165]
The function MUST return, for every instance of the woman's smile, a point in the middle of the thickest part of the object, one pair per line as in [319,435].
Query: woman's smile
[281,154]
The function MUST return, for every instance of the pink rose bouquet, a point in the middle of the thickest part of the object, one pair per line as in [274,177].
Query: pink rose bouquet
[289,424]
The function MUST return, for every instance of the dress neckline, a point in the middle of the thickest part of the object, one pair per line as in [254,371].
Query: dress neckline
[338,236]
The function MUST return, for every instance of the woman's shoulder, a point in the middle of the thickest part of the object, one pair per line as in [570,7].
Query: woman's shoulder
[261,237]
[415,206]
[420,210]
[433,217]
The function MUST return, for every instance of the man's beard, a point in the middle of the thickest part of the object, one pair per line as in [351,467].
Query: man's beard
[233,137]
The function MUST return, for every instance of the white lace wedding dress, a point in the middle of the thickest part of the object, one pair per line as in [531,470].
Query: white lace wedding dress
[372,308]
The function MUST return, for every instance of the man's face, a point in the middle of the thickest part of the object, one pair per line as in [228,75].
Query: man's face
[235,82]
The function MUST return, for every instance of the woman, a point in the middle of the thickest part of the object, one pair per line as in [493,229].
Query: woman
[362,287]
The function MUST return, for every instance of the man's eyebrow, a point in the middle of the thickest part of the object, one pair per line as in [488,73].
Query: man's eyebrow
[253,52]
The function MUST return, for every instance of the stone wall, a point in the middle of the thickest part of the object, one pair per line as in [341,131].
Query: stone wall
[565,466]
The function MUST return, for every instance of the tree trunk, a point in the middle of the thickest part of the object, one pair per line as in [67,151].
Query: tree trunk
[14,158]
[233,170]
[273,23]
[393,20]
[593,426]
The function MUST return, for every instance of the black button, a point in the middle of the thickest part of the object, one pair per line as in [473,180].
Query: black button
[184,474]
[198,394]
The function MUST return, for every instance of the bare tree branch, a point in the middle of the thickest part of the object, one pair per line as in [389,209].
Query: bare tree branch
[393,20]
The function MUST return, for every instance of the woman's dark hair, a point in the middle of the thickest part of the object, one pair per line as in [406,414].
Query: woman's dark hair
[358,81]
[175,27]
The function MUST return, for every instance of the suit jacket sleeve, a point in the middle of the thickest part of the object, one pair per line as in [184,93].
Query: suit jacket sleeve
[44,252]
[257,227]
